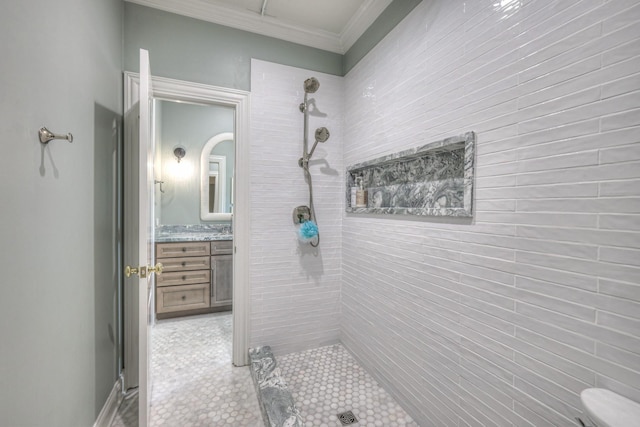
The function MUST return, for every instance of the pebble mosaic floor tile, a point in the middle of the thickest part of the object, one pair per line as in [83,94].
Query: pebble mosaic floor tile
[328,381]
[194,383]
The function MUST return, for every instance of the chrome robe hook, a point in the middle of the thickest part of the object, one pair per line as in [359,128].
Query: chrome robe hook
[46,135]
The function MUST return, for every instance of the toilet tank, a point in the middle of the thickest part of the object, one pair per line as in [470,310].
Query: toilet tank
[608,409]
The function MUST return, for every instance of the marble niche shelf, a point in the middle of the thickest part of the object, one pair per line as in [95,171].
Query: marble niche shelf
[435,179]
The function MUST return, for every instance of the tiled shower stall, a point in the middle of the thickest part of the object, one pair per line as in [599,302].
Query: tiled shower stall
[501,319]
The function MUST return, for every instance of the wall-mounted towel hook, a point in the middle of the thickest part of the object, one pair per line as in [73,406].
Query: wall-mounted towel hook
[46,135]
[155,181]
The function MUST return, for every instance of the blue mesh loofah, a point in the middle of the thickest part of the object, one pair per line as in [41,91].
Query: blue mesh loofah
[307,231]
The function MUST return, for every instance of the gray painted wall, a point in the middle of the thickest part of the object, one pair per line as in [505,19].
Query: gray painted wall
[190,126]
[209,53]
[204,52]
[61,67]
[392,16]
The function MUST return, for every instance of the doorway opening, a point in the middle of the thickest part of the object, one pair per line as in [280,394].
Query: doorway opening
[236,103]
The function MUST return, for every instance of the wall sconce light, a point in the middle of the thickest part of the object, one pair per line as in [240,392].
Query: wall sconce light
[179,152]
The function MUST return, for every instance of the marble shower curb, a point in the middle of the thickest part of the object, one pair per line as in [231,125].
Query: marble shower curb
[276,401]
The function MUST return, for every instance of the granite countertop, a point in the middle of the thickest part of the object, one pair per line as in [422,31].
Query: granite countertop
[193,233]
[191,237]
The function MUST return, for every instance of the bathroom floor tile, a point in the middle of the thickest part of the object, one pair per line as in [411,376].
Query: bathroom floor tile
[328,381]
[193,380]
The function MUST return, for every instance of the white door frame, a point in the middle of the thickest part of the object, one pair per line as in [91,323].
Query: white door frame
[178,90]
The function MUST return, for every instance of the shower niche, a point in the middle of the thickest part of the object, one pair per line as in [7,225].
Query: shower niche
[435,179]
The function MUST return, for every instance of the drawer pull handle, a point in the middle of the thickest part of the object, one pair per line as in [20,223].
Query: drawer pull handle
[184,297]
[184,263]
[184,249]
[184,277]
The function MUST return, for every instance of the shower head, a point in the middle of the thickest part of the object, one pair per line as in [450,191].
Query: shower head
[322,134]
[311,85]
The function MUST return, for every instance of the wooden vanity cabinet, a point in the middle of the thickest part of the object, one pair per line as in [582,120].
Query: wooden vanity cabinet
[184,284]
[222,273]
[197,277]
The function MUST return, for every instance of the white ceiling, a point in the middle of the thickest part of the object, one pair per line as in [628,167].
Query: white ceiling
[332,25]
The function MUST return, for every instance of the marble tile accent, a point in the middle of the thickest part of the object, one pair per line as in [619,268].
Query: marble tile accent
[193,380]
[435,179]
[193,232]
[276,402]
[328,381]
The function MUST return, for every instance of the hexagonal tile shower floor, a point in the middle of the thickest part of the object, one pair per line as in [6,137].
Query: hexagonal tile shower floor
[326,382]
[195,384]
[193,380]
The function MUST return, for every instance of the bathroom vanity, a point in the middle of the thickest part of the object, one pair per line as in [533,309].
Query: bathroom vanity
[197,277]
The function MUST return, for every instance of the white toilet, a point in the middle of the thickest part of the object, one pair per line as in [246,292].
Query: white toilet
[605,408]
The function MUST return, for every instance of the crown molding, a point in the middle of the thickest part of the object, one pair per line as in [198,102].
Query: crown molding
[268,26]
[360,21]
[247,21]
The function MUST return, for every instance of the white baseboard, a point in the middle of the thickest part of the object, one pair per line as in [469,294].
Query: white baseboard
[110,408]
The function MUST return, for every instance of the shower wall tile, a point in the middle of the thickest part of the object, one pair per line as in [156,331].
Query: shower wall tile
[295,289]
[505,318]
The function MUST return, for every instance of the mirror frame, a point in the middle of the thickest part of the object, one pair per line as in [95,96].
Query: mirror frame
[205,215]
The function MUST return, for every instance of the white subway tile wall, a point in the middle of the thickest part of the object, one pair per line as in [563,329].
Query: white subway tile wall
[503,320]
[295,289]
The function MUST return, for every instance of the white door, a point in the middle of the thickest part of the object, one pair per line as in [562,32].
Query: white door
[138,238]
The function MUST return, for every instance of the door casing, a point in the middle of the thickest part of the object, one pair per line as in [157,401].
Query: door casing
[179,90]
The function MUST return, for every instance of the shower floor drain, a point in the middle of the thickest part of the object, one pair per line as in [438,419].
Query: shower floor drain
[347,418]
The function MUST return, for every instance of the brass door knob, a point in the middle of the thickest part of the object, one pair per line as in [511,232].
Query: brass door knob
[142,271]
[128,271]
[156,268]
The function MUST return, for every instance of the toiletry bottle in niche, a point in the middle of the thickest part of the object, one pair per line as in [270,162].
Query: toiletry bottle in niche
[352,200]
[361,193]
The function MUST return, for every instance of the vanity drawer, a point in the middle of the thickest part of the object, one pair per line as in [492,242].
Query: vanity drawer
[186,263]
[180,298]
[183,278]
[221,247]
[182,249]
